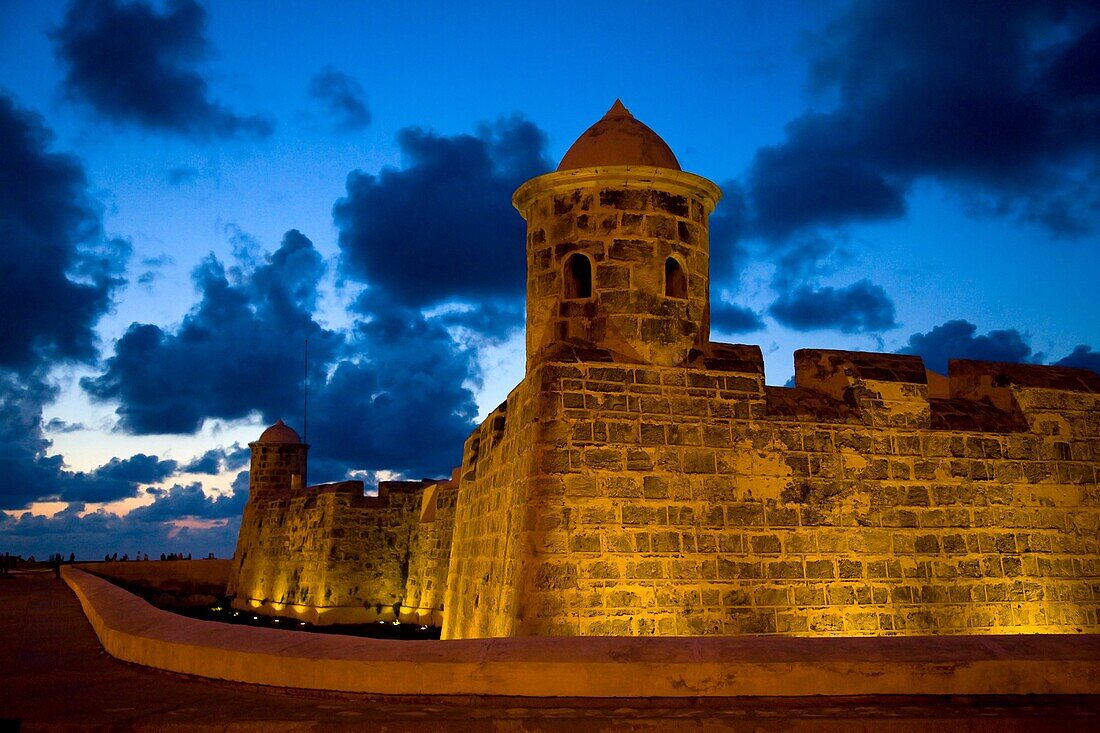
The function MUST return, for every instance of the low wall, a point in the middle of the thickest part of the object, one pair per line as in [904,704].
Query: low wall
[132,630]
[173,584]
[204,576]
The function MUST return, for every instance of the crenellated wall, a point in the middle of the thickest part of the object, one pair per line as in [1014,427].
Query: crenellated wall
[326,554]
[625,499]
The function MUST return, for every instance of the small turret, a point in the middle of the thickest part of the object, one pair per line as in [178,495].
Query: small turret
[618,254]
[278,461]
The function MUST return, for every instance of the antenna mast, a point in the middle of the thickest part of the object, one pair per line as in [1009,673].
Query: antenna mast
[305,392]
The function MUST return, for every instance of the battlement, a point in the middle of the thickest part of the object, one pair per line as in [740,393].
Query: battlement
[894,388]
[606,497]
[303,553]
[644,480]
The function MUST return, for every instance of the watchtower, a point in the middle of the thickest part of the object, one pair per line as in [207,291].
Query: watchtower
[618,252]
[278,461]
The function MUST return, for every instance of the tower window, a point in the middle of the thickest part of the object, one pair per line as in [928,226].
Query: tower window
[676,281]
[578,277]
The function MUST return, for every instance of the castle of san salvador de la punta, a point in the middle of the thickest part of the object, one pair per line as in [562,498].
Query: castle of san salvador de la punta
[643,480]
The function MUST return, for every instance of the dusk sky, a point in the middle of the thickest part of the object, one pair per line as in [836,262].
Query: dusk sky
[190,190]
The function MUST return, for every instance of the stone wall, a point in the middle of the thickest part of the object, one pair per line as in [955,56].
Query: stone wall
[494,519]
[634,500]
[326,554]
[430,555]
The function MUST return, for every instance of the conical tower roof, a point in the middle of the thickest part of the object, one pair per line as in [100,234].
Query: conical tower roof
[618,139]
[280,432]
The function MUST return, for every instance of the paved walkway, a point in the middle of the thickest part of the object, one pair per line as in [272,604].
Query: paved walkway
[55,676]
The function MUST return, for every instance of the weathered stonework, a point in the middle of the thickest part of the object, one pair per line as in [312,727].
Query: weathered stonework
[629,221]
[697,501]
[430,555]
[643,480]
[325,554]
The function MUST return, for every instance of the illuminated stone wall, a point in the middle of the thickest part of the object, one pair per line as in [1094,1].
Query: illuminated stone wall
[325,554]
[430,555]
[629,499]
[495,512]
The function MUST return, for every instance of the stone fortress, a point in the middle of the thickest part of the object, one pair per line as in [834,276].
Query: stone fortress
[643,480]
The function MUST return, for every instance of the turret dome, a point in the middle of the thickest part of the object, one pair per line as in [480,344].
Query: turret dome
[280,432]
[618,139]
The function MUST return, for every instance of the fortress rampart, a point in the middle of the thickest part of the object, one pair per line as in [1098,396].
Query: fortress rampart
[323,554]
[698,501]
[643,480]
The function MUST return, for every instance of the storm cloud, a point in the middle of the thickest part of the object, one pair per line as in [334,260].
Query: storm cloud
[1082,357]
[861,307]
[730,318]
[133,64]
[60,270]
[239,350]
[389,394]
[443,227]
[343,97]
[60,274]
[960,340]
[997,101]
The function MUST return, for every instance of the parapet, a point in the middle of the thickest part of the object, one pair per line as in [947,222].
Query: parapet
[835,373]
[719,357]
[894,389]
[387,490]
[993,382]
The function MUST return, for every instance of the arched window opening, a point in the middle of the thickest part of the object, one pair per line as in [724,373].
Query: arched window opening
[676,280]
[578,277]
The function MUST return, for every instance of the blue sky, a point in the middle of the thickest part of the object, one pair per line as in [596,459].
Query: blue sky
[193,189]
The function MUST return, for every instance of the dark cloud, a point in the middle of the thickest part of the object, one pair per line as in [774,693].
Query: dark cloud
[138,468]
[209,463]
[816,179]
[442,228]
[1082,357]
[134,64]
[98,533]
[728,254]
[403,405]
[982,96]
[57,425]
[857,308]
[492,320]
[181,175]
[802,260]
[59,269]
[29,473]
[343,96]
[730,318]
[189,502]
[60,273]
[238,351]
[960,340]
[33,475]
[216,460]
[392,394]
[117,479]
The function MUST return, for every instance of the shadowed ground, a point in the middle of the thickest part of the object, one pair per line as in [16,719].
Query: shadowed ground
[55,676]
